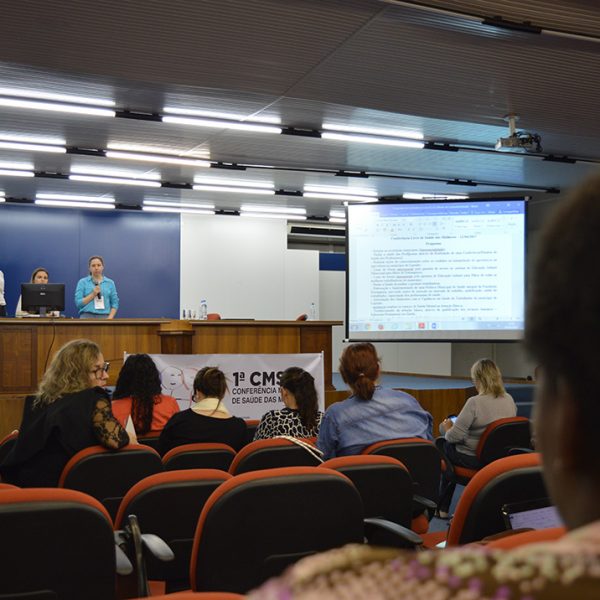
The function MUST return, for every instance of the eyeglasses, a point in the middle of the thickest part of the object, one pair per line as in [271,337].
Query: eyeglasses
[104,368]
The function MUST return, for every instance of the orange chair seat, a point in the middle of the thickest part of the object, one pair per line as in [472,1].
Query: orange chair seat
[464,472]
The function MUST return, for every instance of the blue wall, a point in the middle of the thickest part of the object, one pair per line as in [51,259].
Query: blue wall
[141,254]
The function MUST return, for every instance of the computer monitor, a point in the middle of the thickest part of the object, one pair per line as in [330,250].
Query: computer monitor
[42,297]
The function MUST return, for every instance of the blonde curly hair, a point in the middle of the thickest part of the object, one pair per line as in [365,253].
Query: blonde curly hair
[68,372]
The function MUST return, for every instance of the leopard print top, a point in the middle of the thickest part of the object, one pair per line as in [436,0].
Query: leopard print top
[285,422]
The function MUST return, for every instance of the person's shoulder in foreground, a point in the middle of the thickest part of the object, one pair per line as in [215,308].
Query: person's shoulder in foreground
[569,568]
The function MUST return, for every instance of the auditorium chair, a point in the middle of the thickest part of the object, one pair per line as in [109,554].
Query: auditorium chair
[59,545]
[107,475]
[149,439]
[270,454]
[386,490]
[497,441]
[7,443]
[213,317]
[251,426]
[479,511]
[169,505]
[199,456]
[422,459]
[256,524]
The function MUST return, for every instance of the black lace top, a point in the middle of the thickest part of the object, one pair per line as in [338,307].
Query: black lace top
[50,435]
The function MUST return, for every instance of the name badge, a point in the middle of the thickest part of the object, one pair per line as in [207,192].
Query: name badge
[99,303]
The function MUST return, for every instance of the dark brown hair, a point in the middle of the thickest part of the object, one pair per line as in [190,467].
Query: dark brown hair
[563,315]
[302,385]
[39,270]
[139,379]
[359,368]
[211,382]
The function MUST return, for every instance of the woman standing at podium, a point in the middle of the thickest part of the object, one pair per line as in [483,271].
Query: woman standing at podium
[96,295]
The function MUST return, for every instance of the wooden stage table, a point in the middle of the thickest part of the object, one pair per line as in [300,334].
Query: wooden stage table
[27,346]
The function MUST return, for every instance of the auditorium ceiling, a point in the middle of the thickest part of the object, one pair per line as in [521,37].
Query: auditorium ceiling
[296,104]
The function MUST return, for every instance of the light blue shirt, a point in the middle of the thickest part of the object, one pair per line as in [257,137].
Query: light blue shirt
[350,426]
[108,289]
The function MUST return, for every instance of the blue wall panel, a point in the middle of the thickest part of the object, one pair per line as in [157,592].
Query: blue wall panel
[141,253]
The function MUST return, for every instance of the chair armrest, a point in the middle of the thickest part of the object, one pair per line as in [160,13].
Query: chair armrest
[422,504]
[123,564]
[157,547]
[385,533]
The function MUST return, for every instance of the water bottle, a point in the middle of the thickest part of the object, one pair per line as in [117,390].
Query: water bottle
[313,312]
[203,310]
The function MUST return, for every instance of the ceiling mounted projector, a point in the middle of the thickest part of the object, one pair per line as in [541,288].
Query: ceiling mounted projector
[518,141]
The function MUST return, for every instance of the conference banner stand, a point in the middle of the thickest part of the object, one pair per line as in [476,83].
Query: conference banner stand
[252,379]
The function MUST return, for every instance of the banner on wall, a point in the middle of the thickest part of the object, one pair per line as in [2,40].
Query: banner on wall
[252,379]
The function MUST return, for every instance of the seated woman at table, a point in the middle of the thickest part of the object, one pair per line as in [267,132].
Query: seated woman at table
[70,412]
[462,437]
[138,395]
[373,413]
[208,420]
[301,416]
[40,275]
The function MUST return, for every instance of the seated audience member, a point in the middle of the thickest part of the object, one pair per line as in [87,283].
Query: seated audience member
[40,275]
[70,412]
[462,437]
[373,413]
[138,395]
[301,416]
[562,332]
[208,420]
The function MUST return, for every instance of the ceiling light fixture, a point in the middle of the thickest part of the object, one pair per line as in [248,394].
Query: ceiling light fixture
[264,215]
[192,112]
[55,97]
[33,139]
[16,173]
[179,204]
[415,196]
[371,139]
[234,190]
[330,189]
[337,214]
[115,180]
[194,162]
[273,209]
[129,147]
[348,197]
[222,124]
[10,145]
[337,220]
[394,133]
[174,209]
[57,107]
[74,198]
[202,180]
[75,204]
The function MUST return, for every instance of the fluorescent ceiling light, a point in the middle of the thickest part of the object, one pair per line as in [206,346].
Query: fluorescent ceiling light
[115,180]
[369,139]
[337,220]
[74,198]
[128,147]
[192,112]
[257,128]
[235,190]
[19,166]
[263,215]
[340,190]
[348,197]
[32,147]
[16,173]
[157,158]
[415,196]
[337,214]
[401,133]
[67,108]
[108,172]
[32,139]
[165,209]
[55,97]
[178,204]
[233,182]
[273,209]
[2,198]
[73,204]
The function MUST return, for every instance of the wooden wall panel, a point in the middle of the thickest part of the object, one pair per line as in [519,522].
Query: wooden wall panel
[11,411]
[18,358]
